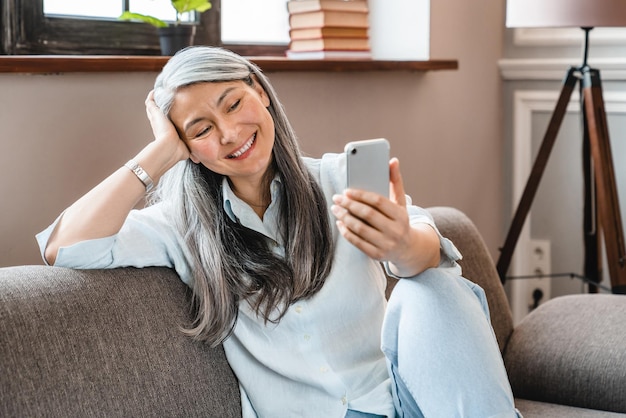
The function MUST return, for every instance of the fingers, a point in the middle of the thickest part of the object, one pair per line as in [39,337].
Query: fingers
[369,206]
[361,234]
[164,131]
[150,97]
[161,125]
[376,225]
[157,118]
[359,209]
[364,245]
[397,194]
[371,222]
[151,105]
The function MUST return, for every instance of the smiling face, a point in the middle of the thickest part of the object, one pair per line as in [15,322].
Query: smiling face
[227,128]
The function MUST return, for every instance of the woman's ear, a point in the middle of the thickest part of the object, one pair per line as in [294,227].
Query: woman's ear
[260,90]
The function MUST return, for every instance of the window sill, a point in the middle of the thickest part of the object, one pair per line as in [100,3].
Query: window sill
[45,64]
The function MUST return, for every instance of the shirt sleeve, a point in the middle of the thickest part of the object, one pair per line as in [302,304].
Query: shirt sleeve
[449,253]
[146,239]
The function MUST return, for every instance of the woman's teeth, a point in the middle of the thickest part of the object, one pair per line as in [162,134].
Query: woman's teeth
[243,149]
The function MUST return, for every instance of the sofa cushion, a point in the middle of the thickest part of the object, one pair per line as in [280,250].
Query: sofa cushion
[105,343]
[571,351]
[534,409]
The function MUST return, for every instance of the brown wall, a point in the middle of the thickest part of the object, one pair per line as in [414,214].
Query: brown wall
[61,134]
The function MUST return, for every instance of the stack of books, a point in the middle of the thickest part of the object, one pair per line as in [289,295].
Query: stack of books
[328,29]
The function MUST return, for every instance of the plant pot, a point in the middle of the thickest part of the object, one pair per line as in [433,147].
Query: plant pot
[176,37]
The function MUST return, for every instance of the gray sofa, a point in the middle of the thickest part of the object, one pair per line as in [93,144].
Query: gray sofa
[107,343]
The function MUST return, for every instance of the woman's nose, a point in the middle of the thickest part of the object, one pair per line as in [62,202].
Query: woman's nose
[229,132]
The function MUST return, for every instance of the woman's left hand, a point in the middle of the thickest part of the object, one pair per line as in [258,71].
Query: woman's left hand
[380,227]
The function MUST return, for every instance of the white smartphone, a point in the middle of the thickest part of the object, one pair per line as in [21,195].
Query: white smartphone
[368,165]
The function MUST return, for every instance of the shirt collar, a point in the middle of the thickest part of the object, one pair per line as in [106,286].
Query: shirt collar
[235,207]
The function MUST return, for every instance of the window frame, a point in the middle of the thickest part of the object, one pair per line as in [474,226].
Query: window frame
[26,31]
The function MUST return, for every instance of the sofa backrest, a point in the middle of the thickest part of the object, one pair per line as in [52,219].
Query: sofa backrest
[105,343]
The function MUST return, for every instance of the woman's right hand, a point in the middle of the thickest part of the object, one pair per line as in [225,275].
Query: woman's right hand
[165,134]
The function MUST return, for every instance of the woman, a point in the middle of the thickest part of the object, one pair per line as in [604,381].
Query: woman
[295,295]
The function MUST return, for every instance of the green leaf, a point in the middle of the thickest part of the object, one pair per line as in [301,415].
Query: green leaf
[184,6]
[137,17]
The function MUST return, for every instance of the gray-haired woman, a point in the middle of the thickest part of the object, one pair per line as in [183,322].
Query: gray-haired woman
[284,262]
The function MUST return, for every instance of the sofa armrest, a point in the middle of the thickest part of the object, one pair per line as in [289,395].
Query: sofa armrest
[571,351]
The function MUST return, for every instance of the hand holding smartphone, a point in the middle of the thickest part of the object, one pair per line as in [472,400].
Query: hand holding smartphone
[368,165]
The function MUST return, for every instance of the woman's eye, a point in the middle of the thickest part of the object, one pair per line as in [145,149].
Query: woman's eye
[235,105]
[203,132]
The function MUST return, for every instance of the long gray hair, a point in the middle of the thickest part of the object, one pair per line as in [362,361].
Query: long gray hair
[231,263]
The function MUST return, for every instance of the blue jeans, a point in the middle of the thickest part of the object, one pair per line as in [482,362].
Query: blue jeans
[441,351]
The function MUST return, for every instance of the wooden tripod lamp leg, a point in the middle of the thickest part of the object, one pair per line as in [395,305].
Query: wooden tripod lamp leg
[536,173]
[606,191]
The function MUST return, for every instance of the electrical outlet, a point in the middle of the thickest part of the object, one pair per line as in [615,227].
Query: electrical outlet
[534,264]
[538,289]
[540,258]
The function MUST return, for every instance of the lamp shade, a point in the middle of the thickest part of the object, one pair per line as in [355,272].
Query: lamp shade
[565,13]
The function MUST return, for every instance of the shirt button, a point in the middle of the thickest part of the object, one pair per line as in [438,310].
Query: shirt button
[298,309]
[307,337]
[323,369]
[344,399]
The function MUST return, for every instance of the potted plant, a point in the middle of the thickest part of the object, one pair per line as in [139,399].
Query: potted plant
[177,36]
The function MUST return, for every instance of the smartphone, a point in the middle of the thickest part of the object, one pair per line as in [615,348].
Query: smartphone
[368,165]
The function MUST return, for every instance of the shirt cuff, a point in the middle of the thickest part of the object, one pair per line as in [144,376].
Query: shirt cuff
[449,253]
[44,236]
[73,256]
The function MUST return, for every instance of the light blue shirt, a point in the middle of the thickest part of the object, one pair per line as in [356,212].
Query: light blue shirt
[324,356]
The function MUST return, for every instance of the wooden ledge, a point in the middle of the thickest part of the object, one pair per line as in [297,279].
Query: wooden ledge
[45,64]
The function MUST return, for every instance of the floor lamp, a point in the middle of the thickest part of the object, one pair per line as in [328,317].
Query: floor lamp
[602,218]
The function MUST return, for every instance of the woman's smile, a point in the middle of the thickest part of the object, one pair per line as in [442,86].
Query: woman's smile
[245,150]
